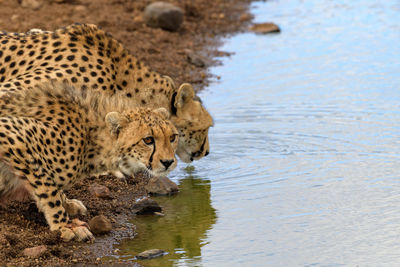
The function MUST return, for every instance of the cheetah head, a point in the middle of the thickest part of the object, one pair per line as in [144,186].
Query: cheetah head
[146,141]
[192,121]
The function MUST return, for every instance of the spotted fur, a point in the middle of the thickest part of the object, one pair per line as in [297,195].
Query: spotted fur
[53,134]
[91,59]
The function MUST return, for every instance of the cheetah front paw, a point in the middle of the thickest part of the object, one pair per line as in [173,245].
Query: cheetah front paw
[77,230]
[74,207]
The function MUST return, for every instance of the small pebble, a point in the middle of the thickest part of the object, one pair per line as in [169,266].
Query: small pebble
[34,251]
[100,191]
[80,8]
[194,59]
[31,4]
[245,17]
[14,18]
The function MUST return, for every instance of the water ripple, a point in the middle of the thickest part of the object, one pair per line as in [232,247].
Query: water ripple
[304,148]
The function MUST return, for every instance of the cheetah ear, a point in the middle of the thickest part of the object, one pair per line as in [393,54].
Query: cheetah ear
[115,122]
[163,113]
[169,79]
[184,95]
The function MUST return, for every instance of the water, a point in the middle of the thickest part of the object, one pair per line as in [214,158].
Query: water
[304,167]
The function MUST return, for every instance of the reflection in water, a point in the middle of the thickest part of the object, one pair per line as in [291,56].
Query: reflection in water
[183,229]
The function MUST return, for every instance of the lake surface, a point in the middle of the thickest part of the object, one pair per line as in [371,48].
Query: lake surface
[304,166]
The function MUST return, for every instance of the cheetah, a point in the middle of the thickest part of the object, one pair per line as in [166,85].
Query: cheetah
[90,59]
[54,134]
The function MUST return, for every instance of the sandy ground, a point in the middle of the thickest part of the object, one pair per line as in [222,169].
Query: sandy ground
[21,225]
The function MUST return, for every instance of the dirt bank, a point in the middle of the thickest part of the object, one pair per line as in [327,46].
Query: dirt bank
[21,225]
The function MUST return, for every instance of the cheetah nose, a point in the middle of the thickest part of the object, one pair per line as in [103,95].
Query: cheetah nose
[167,163]
[207,152]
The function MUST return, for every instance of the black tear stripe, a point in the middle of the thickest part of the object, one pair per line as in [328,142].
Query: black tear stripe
[202,146]
[154,150]
[173,108]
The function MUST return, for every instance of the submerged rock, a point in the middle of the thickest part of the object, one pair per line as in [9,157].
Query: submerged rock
[263,28]
[100,225]
[163,15]
[150,254]
[161,186]
[146,206]
[34,251]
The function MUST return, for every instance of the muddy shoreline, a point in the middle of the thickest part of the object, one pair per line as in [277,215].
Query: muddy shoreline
[169,53]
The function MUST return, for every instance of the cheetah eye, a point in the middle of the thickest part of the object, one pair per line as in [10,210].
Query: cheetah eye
[172,138]
[148,140]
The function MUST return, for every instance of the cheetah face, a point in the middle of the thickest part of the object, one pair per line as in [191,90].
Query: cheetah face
[192,121]
[195,146]
[146,141]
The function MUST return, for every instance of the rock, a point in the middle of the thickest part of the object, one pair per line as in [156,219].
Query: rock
[34,251]
[100,225]
[161,186]
[265,28]
[163,15]
[194,59]
[146,206]
[100,191]
[150,254]
[31,4]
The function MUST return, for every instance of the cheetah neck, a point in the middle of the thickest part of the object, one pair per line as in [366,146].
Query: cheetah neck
[142,86]
[102,147]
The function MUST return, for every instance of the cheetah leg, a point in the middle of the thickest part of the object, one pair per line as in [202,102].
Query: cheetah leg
[73,207]
[49,200]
